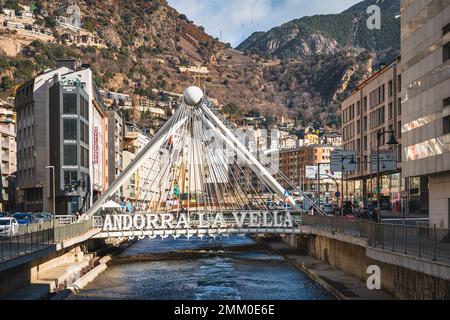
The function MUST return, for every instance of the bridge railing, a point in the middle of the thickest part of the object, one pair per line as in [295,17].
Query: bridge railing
[72,230]
[35,237]
[424,242]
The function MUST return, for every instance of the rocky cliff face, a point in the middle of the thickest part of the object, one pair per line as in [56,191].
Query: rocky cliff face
[325,34]
[301,69]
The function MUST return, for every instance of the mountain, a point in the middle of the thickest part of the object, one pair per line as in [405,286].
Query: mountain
[148,41]
[327,34]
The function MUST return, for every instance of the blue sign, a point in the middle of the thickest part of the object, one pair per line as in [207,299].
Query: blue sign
[337,194]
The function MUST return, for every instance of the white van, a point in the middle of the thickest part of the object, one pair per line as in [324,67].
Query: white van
[8,227]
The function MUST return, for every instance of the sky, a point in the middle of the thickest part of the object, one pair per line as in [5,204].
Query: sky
[238,19]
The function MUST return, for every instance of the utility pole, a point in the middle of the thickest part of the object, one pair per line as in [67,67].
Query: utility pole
[318,184]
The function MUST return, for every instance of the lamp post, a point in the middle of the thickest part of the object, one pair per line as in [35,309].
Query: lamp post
[54,207]
[392,141]
[342,178]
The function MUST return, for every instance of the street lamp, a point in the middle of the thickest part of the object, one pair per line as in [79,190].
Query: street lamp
[352,161]
[392,141]
[54,207]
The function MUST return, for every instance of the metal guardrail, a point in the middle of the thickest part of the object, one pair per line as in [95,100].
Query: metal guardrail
[72,230]
[424,242]
[39,236]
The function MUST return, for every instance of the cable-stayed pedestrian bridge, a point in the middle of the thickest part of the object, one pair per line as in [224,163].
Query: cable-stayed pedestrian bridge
[199,176]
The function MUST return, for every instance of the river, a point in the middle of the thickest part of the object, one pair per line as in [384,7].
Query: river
[223,273]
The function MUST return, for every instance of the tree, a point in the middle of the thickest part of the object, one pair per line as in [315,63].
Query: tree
[50,22]
[254,113]
[231,109]
[5,84]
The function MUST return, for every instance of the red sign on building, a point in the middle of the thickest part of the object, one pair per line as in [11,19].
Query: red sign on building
[95,145]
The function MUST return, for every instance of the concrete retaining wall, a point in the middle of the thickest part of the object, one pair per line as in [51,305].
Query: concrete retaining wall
[398,280]
[20,272]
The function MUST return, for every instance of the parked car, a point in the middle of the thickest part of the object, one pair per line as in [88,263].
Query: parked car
[8,227]
[328,209]
[42,217]
[24,217]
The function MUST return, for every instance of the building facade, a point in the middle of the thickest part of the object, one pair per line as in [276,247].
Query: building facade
[115,147]
[425,46]
[294,163]
[61,123]
[374,107]
[8,154]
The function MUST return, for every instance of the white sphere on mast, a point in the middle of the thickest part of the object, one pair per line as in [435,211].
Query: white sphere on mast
[193,96]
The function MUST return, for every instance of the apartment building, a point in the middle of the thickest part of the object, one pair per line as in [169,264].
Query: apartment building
[374,107]
[425,49]
[115,145]
[8,154]
[140,186]
[293,164]
[61,122]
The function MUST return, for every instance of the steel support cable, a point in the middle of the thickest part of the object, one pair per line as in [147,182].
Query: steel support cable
[208,125]
[166,170]
[119,181]
[237,151]
[201,149]
[214,167]
[262,156]
[159,161]
[230,192]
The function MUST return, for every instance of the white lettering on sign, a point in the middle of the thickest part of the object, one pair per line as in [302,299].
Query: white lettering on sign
[95,145]
[138,221]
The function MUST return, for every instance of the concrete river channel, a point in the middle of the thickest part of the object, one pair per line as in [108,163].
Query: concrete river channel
[234,268]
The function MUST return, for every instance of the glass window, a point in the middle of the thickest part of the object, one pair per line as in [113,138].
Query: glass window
[70,180]
[447,102]
[447,125]
[69,103]
[84,132]
[84,108]
[70,155]
[84,157]
[446,29]
[446,49]
[70,129]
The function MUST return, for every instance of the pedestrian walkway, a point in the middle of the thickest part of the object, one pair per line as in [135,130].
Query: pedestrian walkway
[343,285]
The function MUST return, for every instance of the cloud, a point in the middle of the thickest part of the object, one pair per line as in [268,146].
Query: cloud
[237,19]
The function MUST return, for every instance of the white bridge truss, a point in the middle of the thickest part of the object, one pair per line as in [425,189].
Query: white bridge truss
[198,163]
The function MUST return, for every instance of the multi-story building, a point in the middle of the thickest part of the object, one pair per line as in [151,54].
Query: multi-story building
[374,106]
[333,139]
[122,100]
[136,189]
[8,154]
[61,122]
[425,50]
[115,147]
[293,163]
